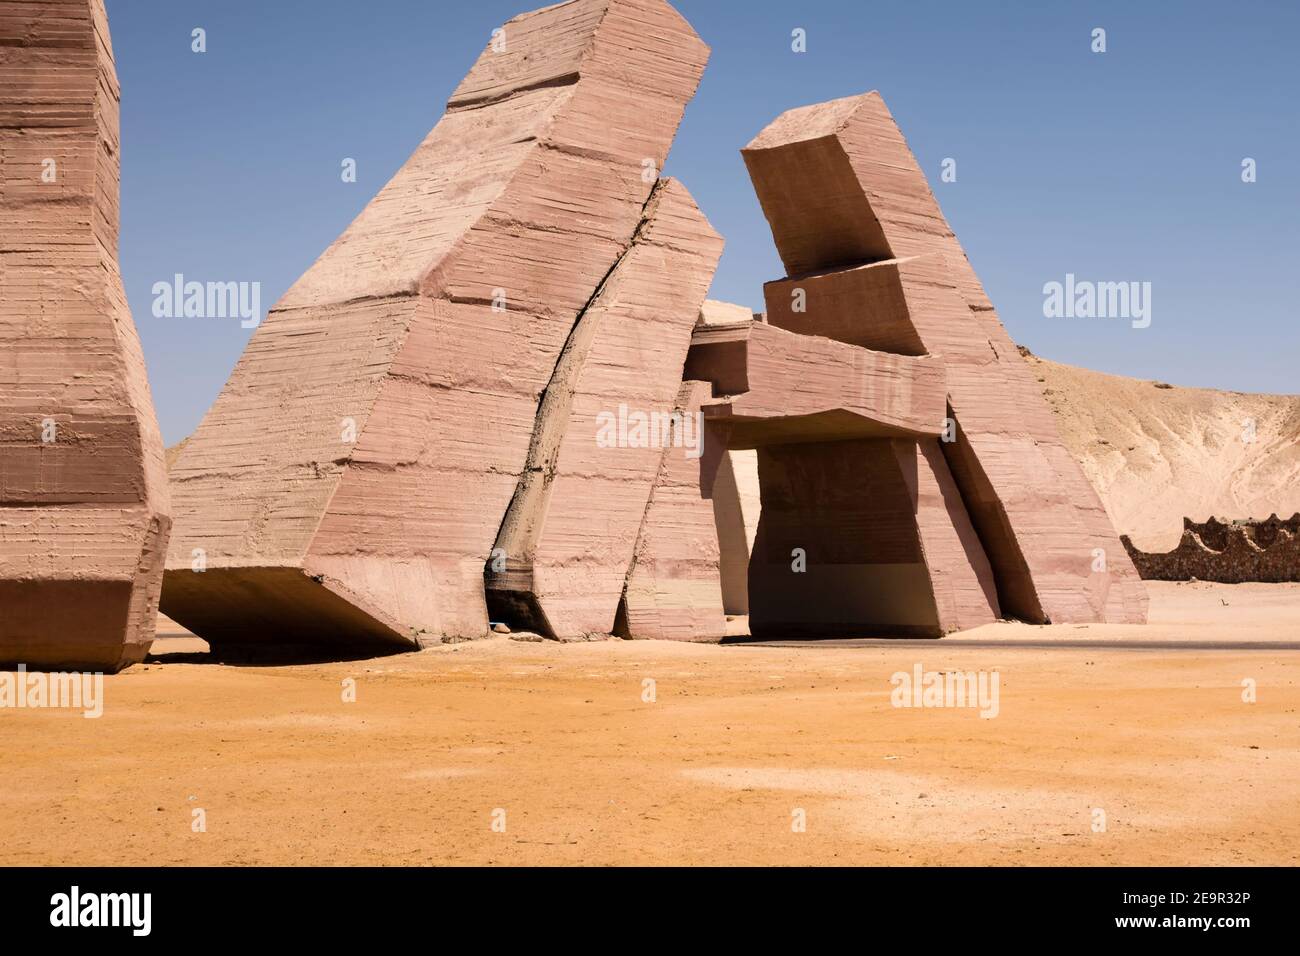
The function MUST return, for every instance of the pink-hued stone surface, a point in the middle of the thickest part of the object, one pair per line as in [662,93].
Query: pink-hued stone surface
[674,589]
[803,387]
[735,491]
[430,329]
[736,502]
[862,529]
[865,537]
[83,515]
[965,592]
[841,189]
[838,551]
[886,544]
[569,534]
[715,312]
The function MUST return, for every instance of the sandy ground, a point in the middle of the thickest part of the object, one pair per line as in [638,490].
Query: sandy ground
[738,741]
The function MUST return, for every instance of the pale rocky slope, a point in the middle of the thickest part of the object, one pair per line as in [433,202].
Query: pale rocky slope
[1157,453]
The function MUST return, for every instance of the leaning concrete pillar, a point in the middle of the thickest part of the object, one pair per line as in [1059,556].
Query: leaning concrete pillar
[350,481]
[735,512]
[965,592]
[83,491]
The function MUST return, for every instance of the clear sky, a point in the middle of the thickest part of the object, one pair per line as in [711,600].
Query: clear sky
[1123,166]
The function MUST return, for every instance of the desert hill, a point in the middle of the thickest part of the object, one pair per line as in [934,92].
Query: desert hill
[1156,452]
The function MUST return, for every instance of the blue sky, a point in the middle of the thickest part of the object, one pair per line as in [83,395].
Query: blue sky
[1122,166]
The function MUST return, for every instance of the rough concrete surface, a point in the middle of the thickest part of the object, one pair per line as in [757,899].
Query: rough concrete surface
[876,265]
[84,511]
[375,431]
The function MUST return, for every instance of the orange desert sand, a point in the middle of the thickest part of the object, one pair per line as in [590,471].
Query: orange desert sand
[739,737]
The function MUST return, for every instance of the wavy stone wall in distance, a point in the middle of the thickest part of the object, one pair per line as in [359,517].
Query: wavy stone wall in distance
[1229,552]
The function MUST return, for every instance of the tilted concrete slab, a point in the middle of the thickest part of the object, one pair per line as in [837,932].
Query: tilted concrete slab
[736,505]
[373,434]
[961,578]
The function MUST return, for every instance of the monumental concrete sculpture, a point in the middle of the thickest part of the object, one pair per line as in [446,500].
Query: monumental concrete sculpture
[861,529]
[674,591]
[83,489]
[491,398]
[871,262]
[417,410]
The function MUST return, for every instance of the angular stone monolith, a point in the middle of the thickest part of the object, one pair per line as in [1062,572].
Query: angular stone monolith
[569,533]
[872,262]
[349,483]
[83,492]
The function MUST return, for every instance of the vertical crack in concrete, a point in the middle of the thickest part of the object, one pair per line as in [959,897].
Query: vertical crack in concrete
[509,591]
